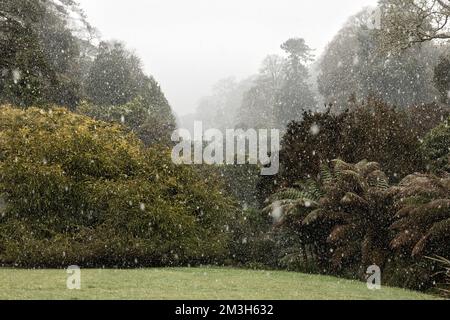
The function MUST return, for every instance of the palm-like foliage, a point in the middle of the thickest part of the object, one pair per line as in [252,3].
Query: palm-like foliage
[350,217]
[342,215]
[423,212]
[288,208]
[294,201]
[435,148]
[356,209]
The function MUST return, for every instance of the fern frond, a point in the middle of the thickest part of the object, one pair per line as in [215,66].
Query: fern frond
[341,233]
[361,166]
[438,233]
[287,194]
[323,215]
[326,176]
[312,190]
[405,238]
[378,179]
[313,216]
[352,199]
[426,215]
[339,166]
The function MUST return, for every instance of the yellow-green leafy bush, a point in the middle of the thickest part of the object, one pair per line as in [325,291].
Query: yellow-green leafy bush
[80,191]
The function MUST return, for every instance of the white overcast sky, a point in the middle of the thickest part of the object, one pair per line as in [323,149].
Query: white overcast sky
[189,45]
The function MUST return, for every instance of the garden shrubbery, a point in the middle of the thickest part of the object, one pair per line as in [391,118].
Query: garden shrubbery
[351,218]
[335,214]
[375,131]
[86,192]
[436,148]
[252,244]
[74,190]
[153,123]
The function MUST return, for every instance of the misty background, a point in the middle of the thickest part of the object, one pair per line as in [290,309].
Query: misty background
[189,46]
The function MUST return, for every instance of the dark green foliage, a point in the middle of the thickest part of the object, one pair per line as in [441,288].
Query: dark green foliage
[442,78]
[119,91]
[374,130]
[356,196]
[39,55]
[385,135]
[351,218]
[423,225]
[240,182]
[436,148]
[309,144]
[299,247]
[79,191]
[339,218]
[404,271]
[115,77]
[152,122]
[252,245]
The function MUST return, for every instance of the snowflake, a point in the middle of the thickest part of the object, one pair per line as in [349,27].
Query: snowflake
[315,129]
[17,75]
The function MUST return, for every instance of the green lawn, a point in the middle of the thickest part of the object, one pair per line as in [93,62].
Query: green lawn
[189,283]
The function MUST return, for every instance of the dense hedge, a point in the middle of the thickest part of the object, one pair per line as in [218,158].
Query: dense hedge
[375,131]
[436,148]
[86,192]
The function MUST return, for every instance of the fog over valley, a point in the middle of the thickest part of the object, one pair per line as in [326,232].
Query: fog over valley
[190,45]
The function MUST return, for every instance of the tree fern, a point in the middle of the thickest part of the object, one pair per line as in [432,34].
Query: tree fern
[351,212]
[356,211]
[423,224]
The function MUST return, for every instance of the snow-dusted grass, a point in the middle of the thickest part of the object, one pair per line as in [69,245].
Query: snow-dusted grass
[188,283]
